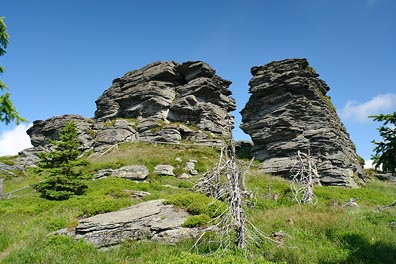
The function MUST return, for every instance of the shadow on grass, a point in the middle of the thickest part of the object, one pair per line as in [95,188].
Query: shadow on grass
[364,251]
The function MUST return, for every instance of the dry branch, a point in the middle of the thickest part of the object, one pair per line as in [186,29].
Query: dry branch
[226,183]
[385,207]
[304,176]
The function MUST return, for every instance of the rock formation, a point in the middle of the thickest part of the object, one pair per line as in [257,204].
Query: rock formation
[147,220]
[163,101]
[289,110]
[165,92]
[92,134]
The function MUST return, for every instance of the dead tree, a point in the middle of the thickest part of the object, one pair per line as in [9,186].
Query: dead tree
[304,176]
[226,183]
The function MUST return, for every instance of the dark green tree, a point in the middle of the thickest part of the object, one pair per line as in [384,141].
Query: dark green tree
[8,112]
[385,151]
[63,166]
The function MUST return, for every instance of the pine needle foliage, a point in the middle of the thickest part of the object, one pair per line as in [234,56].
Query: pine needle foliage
[8,113]
[63,167]
[385,151]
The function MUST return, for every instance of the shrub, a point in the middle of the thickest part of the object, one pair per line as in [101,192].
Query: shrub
[197,204]
[197,220]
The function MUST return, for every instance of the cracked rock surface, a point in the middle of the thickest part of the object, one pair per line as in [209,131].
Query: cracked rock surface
[147,220]
[289,110]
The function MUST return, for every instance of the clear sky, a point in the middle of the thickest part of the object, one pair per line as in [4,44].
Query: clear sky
[64,54]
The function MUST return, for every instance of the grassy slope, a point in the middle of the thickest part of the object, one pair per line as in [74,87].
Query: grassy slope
[316,234]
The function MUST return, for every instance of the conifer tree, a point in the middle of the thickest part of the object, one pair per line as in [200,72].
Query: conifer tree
[8,112]
[385,151]
[63,167]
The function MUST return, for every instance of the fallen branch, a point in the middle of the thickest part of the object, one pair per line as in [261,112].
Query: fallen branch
[385,207]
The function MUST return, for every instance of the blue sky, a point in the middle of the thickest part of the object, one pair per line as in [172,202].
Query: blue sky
[64,54]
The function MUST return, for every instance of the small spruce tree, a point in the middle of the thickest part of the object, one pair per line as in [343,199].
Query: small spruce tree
[385,151]
[63,166]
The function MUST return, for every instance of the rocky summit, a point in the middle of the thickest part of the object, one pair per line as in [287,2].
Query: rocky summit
[166,92]
[289,110]
[162,102]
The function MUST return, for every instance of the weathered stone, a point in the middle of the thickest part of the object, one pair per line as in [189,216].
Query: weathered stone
[162,169]
[162,102]
[110,133]
[386,176]
[183,176]
[190,167]
[133,172]
[147,220]
[168,91]
[43,131]
[243,149]
[290,111]
[173,236]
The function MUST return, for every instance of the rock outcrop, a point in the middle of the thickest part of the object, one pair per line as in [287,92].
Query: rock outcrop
[289,110]
[93,135]
[162,93]
[147,220]
[162,102]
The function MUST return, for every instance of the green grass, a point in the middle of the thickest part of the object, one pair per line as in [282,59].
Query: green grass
[151,155]
[8,160]
[315,234]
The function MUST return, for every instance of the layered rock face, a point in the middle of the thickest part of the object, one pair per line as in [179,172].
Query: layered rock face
[165,92]
[93,135]
[289,110]
[163,102]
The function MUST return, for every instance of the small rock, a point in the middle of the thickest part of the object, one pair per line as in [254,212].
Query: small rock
[162,169]
[175,235]
[183,176]
[134,172]
[190,167]
[137,194]
[178,159]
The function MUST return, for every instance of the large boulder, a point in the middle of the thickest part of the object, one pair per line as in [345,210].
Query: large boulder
[147,220]
[289,110]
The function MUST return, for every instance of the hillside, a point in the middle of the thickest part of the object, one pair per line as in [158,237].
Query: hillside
[329,232]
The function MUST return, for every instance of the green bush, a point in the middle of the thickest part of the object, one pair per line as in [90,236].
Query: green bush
[197,220]
[185,184]
[197,204]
